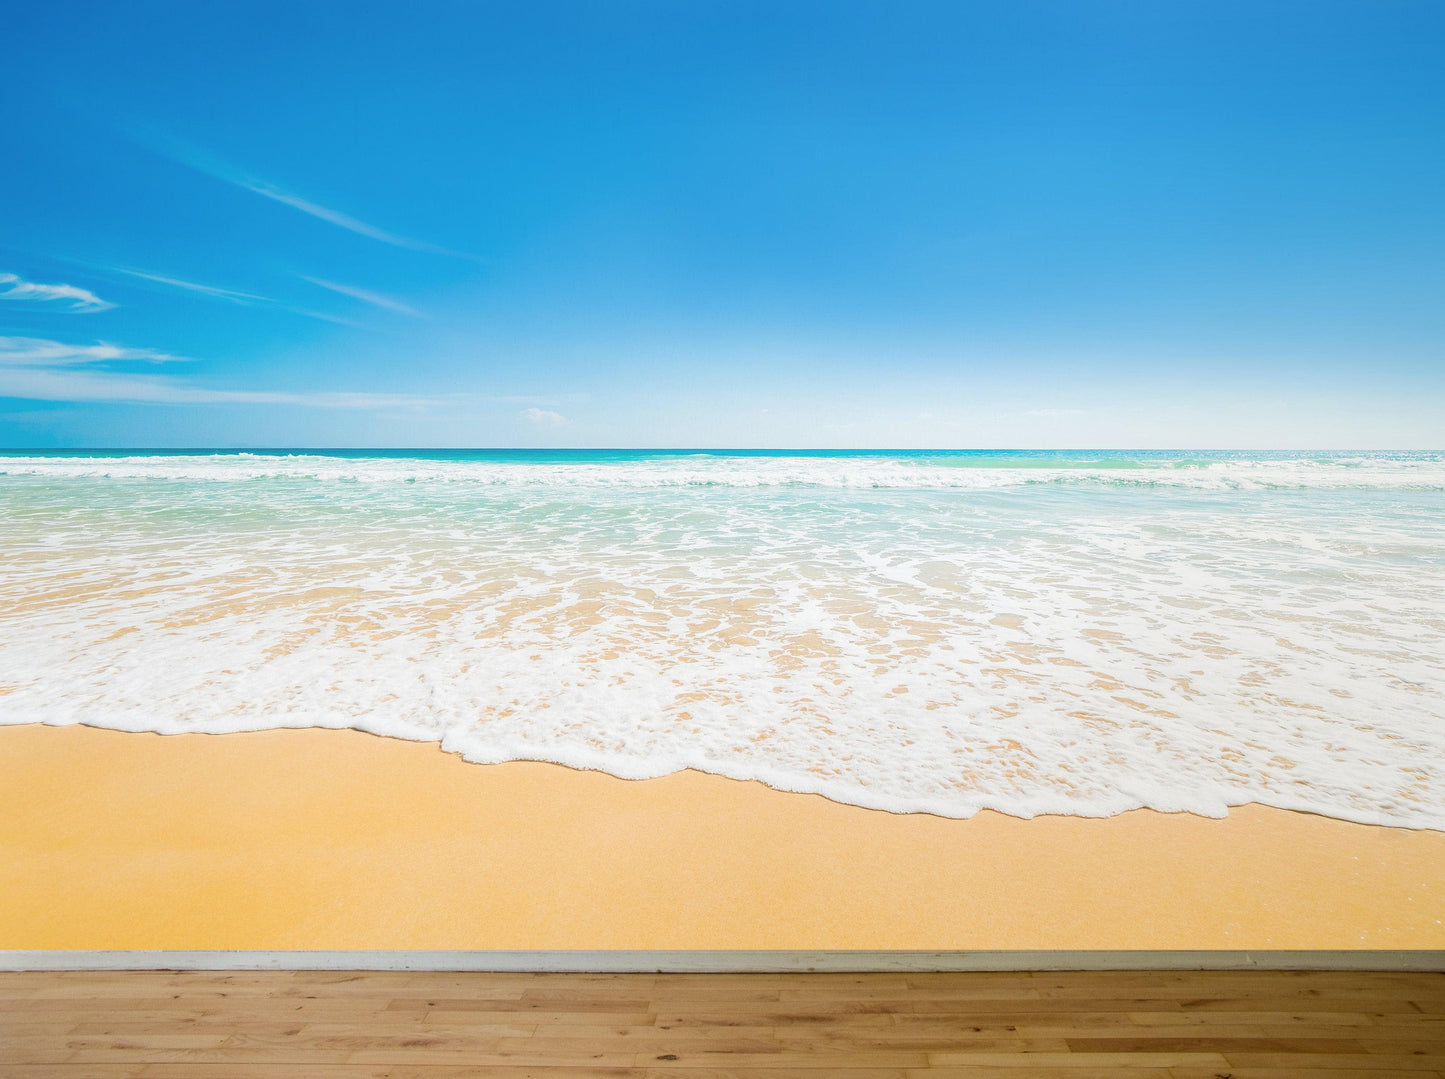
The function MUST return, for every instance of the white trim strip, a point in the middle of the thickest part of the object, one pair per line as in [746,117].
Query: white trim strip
[721,961]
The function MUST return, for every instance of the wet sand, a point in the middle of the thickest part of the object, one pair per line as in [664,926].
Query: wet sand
[337,840]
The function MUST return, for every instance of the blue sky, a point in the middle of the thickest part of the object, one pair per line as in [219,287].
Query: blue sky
[723,224]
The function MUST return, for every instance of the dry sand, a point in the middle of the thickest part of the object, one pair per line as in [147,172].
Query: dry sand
[336,839]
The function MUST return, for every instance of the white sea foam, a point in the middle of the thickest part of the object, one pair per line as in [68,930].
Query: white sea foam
[1271,472]
[1080,636]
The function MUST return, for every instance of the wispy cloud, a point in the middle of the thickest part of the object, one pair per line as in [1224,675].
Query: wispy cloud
[1054,413]
[336,217]
[543,418]
[191,286]
[70,297]
[376,299]
[36,369]
[44,384]
[40,352]
[245,299]
[211,166]
[321,315]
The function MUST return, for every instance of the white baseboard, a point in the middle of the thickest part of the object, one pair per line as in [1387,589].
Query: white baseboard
[722,961]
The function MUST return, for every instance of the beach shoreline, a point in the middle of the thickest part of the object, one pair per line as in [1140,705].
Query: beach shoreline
[337,839]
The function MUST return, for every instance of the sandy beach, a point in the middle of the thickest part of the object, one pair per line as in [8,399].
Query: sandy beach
[337,839]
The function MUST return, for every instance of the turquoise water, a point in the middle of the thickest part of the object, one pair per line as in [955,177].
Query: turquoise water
[976,458]
[1067,632]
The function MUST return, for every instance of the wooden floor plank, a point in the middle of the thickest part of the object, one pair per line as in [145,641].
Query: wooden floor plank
[448,1025]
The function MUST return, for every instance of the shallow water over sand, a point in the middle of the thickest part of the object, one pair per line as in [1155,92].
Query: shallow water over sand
[1063,633]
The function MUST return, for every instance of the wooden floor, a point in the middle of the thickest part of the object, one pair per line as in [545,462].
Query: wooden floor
[1184,1025]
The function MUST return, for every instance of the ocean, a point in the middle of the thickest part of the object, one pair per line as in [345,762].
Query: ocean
[1081,632]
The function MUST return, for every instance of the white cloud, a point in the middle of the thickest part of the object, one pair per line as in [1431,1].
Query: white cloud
[543,418]
[45,384]
[202,162]
[39,352]
[335,217]
[233,296]
[36,369]
[73,297]
[1054,412]
[376,299]
[191,286]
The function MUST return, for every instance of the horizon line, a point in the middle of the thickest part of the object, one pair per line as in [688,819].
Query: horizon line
[716,449]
